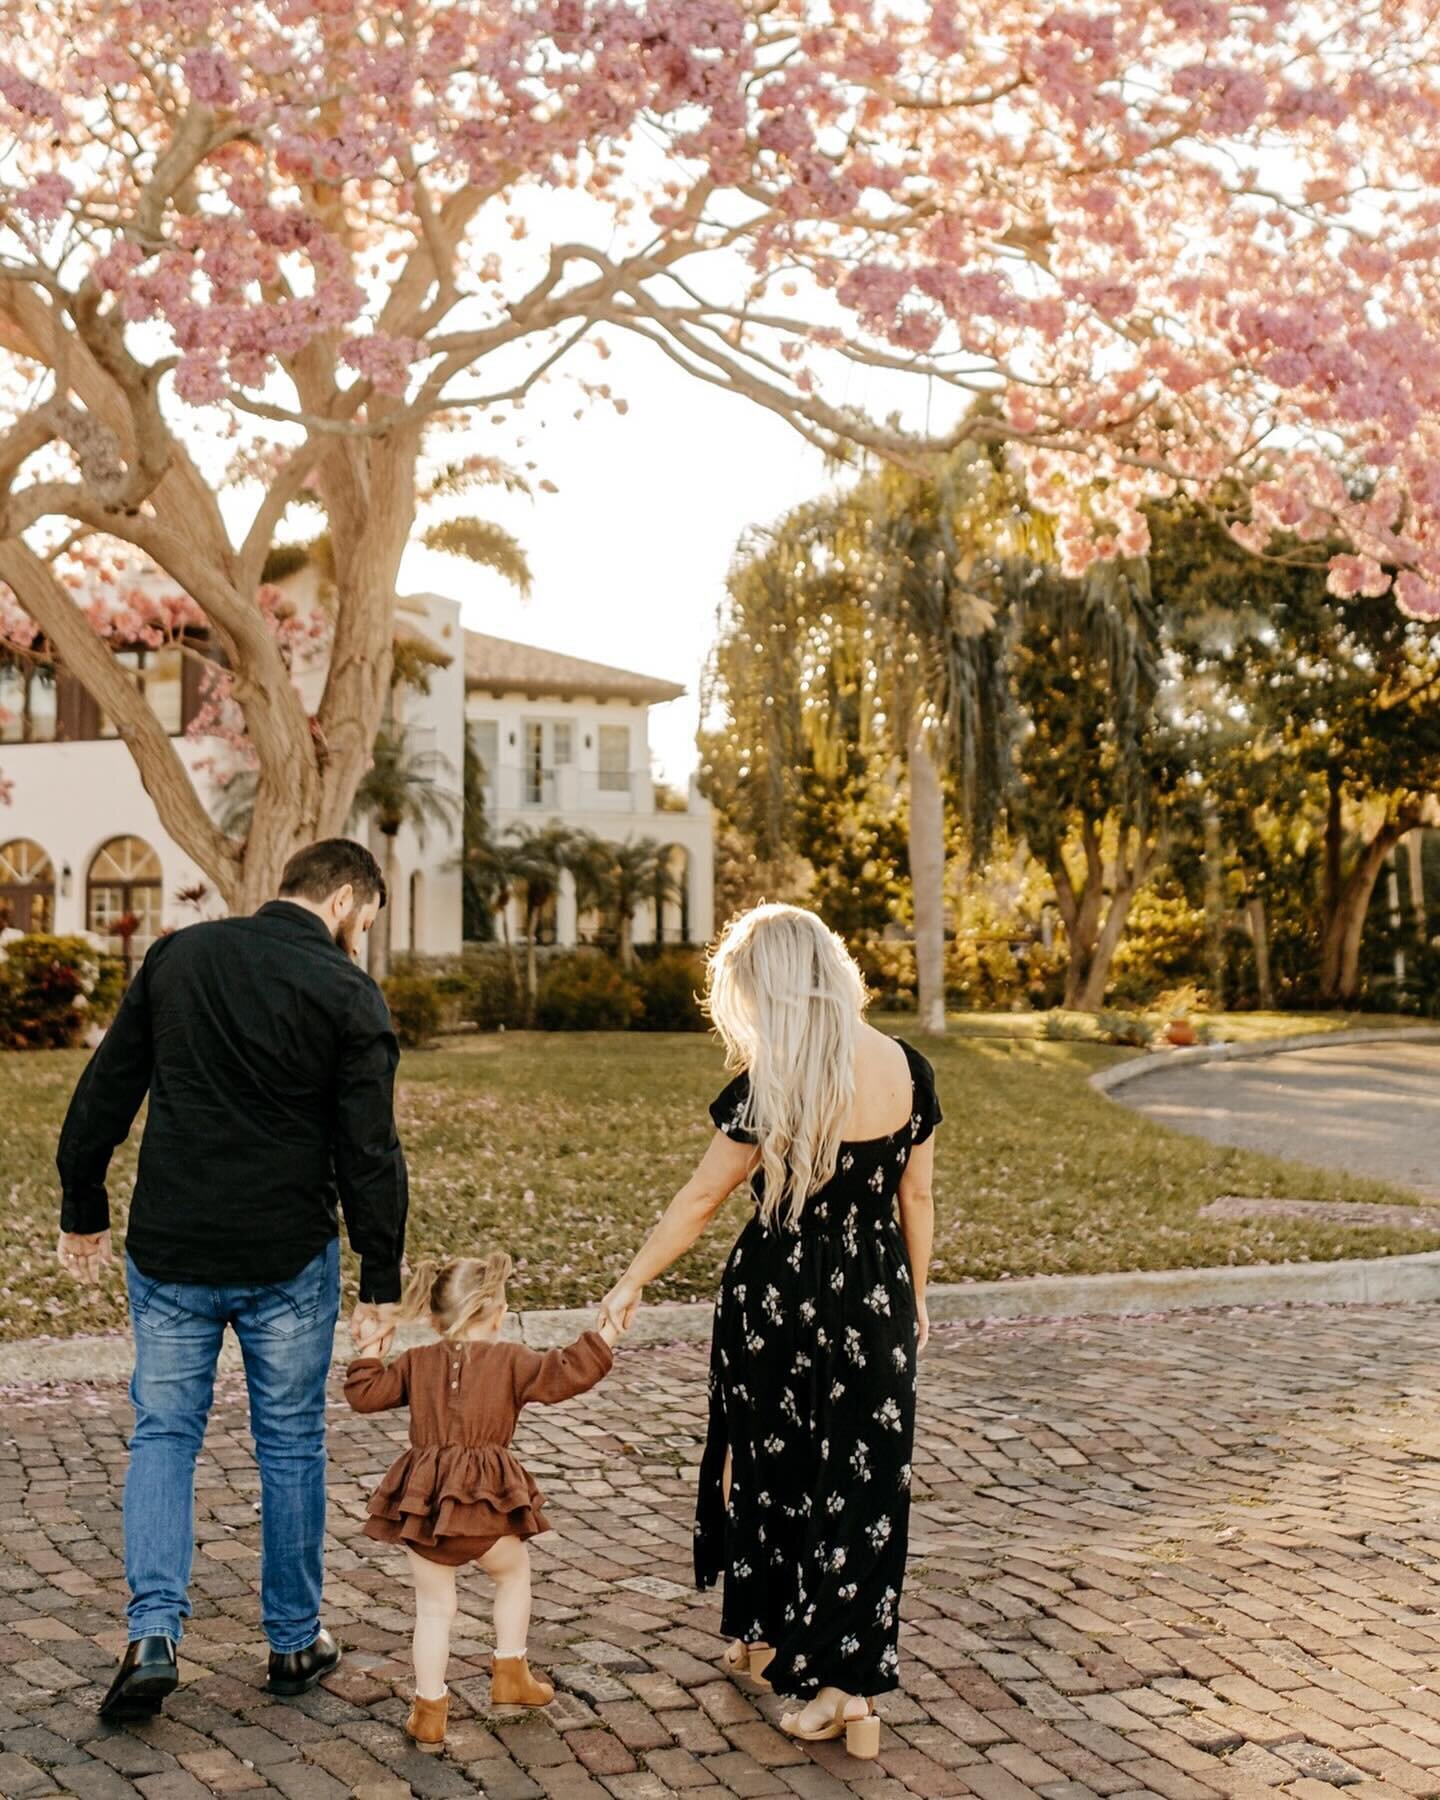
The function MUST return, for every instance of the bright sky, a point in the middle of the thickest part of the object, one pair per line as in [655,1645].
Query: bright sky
[630,555]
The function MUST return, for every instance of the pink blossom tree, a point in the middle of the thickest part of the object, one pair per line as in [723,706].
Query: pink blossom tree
[1177,244]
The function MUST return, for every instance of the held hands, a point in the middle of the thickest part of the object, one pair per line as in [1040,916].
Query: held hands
[372,1327]
[618,1309]
[84,1256]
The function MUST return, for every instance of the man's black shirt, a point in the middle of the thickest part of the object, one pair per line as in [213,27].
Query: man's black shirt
[270,1062]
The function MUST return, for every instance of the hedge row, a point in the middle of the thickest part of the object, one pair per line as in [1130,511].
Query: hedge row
[581,990]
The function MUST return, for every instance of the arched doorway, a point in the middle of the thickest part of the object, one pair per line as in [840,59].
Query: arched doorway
[27,887]
[124,890]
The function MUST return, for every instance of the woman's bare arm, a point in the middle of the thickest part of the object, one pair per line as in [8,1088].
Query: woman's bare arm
[917,1223]
[719,1172]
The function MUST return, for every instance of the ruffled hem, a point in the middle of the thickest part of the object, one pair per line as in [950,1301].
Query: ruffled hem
[457,1490]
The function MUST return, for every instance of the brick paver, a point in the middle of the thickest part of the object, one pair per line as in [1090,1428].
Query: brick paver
[1186,1557]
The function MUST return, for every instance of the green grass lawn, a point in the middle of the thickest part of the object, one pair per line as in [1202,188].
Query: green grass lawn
[1239,1028]
[563,1148]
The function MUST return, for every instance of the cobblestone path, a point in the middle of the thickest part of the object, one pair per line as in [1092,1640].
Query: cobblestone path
[1182,1557]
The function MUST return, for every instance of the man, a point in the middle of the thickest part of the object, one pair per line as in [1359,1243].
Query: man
[270,1061]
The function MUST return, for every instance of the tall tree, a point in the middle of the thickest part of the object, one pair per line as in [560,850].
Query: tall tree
[404,785]
[1094,765]
[1336,693]
[874,621]
[276,229]
[539,857]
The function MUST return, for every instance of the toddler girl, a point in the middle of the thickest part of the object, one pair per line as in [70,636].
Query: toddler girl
[458,1494]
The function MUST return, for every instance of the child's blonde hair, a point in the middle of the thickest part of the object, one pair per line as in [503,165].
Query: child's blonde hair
[456,1293]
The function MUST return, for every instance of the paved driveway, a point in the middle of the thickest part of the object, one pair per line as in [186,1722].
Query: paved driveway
[1373,1109]
[1181,1557]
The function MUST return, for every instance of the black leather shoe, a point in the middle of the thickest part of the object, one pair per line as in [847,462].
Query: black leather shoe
[147,1673]
[298,1672]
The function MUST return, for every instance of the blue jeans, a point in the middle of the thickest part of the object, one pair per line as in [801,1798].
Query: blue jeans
[286,1335]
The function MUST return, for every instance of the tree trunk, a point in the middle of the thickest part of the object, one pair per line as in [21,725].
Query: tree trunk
[1214,908]
[1345,922]
[510,956]
[626,935]
[1260,941]
[1392,894]
[532,972]
[1094,928]
[1415,849]
[927,882]
[1079,910]
[1097,973]
[385,941]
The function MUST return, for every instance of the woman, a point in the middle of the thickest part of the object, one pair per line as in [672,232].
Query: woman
[805,1482]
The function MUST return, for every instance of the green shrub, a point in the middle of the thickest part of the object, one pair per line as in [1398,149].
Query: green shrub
[1124,1028]
[587,993]
[668,987]
[888,966]
[46,985]
[495,1001]
[108,991]
[414,1002]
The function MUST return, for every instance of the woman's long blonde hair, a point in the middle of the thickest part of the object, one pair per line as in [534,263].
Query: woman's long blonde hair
[454,1294]
[787,999]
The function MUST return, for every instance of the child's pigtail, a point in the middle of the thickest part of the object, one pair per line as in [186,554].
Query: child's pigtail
[415,1301]
[494,1273]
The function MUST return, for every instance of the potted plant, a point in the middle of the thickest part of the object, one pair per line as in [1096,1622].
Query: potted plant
[1180,1032]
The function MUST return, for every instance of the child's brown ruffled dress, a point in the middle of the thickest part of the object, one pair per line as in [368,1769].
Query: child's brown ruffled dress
[459,1488]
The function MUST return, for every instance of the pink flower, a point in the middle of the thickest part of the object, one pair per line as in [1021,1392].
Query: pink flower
[383,361]
[44,200]
[211,78]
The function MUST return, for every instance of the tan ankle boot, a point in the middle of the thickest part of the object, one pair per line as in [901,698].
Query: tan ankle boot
[426,1724]
[512,1684]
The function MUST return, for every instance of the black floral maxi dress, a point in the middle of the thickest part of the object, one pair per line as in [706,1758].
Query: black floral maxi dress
[812,1391]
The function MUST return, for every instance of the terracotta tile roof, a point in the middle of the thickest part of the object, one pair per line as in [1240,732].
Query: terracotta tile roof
[407,632]
[499,666]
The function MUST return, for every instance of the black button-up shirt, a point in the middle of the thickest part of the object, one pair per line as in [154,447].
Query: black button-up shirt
[270,1062]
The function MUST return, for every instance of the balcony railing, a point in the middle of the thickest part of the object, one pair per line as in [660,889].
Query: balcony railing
[568,789]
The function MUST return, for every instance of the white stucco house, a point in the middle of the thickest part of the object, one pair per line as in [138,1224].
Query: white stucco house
[562,741]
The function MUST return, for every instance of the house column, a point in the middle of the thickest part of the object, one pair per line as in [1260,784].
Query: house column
[567,911]
[700,892]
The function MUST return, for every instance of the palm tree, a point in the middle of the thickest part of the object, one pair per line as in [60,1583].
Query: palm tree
[492,871]
[639,870]
[888,617]
[884,613]
[403,786]
[540,857]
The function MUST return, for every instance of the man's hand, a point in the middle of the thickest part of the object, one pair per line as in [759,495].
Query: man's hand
[372,1327]
[84,1256]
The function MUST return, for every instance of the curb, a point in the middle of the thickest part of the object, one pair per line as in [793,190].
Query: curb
[1370,1281]
[1157,1061]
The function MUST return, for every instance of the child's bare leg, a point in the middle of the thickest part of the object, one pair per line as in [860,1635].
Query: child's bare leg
[434,1615]
[507,1563]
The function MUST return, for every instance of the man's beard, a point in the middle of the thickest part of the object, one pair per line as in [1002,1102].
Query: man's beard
[347,936]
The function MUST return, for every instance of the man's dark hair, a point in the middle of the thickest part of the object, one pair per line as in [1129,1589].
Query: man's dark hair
[315,872]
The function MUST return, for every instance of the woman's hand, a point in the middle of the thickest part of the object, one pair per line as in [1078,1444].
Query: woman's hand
[619,1306]
[922,1328]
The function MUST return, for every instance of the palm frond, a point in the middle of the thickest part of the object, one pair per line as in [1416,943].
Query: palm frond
[475,472]
[484,542]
